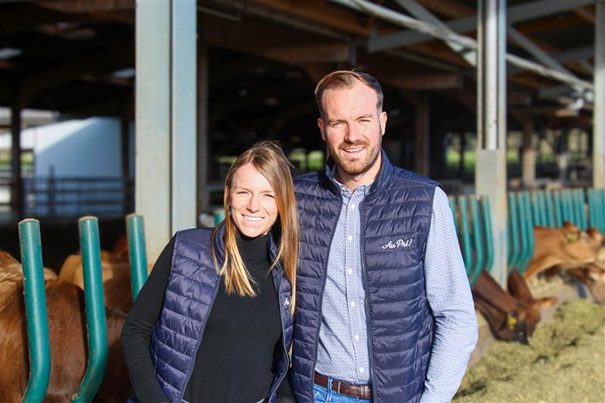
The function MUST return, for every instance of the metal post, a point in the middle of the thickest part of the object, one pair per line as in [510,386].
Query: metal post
[152,104]
[490,168]
[183,47]
[166,118]
[135,231]
[95,310]
[35,311]
[599,98]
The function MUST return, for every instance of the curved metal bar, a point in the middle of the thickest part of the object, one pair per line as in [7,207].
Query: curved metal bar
[511,230]
[477,240]
[548,207]
[489,238]
[95,310]
[465,237]
[35,311]
[558,207]
[135,230]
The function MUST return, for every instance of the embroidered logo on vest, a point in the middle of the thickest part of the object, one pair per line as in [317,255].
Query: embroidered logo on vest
[400,243]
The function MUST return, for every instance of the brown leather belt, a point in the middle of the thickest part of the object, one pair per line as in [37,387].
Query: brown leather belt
[361,391]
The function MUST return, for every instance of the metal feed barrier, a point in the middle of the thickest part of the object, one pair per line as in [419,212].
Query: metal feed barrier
[35,302]
[472,218]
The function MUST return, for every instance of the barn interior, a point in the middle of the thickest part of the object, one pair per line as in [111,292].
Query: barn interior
[257,62]
[494,99]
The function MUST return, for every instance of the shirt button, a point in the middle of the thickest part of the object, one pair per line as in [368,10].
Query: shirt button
[352,206]
[356,337]
[350,238]
[353,304]
[350,271]
[360,369]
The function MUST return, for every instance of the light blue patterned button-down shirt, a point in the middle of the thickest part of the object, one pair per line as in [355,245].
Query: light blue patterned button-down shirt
[343,342]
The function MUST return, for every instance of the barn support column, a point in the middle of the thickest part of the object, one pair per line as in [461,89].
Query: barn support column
[598,134]
[203,144]
[490,167]
[528,163]
[166,124]
[421,156]
[16,178]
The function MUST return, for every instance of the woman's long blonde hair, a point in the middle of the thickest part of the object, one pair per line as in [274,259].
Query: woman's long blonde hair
[269,159]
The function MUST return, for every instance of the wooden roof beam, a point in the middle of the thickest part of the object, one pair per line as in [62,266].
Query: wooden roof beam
[318,11]
[523,12]
[586,14]
[450,8]
[109,60]
[273,42]
[437,81]
[87,6]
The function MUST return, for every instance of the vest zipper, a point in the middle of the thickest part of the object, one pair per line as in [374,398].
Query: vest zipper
[362,247]
[321,297]
[199,341]
[277,282]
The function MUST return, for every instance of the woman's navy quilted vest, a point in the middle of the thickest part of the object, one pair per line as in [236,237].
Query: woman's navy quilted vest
[396,212]
[191,290]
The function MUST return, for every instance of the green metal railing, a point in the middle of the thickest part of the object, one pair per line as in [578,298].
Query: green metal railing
[95,310]
[596,208]
[136,251]
[35,310]
[35,302]
[526,210]
[473,222]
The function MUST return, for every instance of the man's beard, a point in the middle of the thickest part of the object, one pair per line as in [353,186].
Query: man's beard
[356,166]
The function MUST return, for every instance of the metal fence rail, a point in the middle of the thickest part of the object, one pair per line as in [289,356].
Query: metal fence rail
[76,196]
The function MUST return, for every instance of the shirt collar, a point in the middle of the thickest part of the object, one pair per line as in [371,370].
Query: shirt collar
[365,189]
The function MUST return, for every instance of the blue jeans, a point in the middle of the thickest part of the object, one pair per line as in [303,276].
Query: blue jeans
[327,395]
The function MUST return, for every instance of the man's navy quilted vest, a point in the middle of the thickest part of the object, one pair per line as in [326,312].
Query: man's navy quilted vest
[191,291]
[395,222]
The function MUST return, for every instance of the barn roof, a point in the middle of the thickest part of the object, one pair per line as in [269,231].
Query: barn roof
[77,57]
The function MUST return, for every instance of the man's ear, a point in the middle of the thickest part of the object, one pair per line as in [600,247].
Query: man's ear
[322,128]
[383,121]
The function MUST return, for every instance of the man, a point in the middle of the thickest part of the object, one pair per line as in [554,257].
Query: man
[384,310]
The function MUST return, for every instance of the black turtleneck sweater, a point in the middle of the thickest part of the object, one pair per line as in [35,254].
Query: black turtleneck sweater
[234,362]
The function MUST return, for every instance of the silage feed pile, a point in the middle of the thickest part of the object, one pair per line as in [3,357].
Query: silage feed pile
[564,362]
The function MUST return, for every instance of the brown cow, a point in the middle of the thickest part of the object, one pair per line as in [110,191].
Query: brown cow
[566,248]
[580,254]
[509,318]
[67,332]
[115,272]
[11,275]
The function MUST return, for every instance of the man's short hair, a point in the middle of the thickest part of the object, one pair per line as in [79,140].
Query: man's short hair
[346,79]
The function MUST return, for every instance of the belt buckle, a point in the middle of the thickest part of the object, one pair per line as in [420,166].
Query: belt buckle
[338,384]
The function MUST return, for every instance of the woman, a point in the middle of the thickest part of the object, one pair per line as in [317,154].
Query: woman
[213,322]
